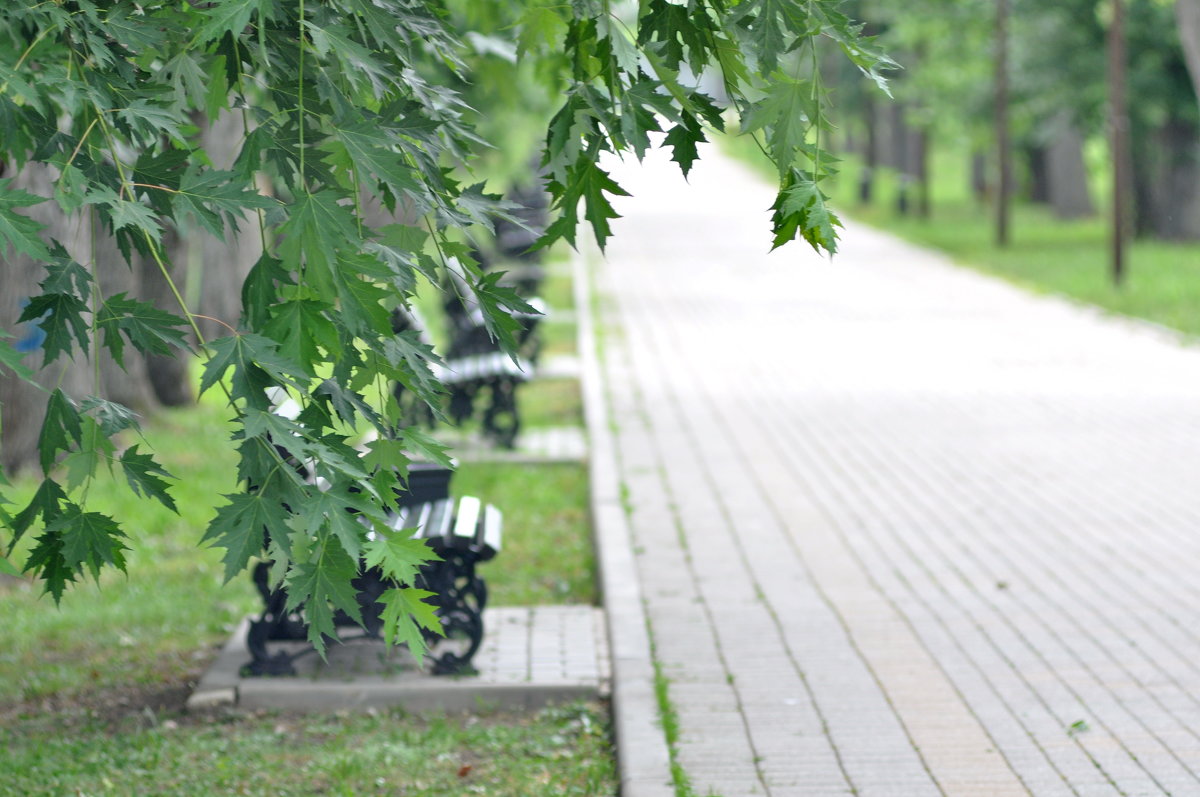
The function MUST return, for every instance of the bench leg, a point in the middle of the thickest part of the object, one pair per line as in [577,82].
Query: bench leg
[500,420]
[461,598]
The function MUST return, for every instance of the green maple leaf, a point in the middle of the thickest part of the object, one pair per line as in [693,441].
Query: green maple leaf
[64,275]
[366,73]
[47,562]
[637,122]
[300,444]
[677,28]
[145,477]
[301,327]
[94,449]
[540,29]
[386,453]
[683,139]
[227,16]
[152,120]
[784,113]
[256,363]
[217,200]
[319,584]
[239,525]
[360,299]
[317,226]
[261,290]
[125,213]
[8,568]
[347,404]
[404,614]
[45,504]
[150,330]
[586,181]
[187,80]
[399,557]
[426,447]
[18,231]
[371,149]
[800,209]
[61,317]
[411,358]
[112,417]
[327,509]
[762,19]
[61,426]
[10,358]
[497,303]
[89,539]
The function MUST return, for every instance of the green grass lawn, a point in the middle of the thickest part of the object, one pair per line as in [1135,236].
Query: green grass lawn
[560,751]
[1047,254]
[91,692]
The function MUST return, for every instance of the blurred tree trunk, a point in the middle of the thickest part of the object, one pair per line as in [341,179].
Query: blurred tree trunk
[1066,174]
[980,189]
[866,179]
[920,159]
[1187,14]
[224,263]
[167,376]
[1166,180]
[1123,171]
[1037,172]
[23,404]
[1003,148]
[900,155]
[221,267]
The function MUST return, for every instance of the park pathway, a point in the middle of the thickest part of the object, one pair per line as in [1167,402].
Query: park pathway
[899,529]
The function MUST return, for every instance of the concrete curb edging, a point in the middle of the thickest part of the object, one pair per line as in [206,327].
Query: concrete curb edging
[643,760]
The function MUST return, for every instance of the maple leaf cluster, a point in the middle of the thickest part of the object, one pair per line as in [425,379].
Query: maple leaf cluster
[341,100]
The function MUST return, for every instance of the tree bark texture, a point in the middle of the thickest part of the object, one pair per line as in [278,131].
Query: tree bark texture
[1004,177]
[1037,187]
[218,268]
[1066,175]
[22,404]
[1187,14]
[1166,181]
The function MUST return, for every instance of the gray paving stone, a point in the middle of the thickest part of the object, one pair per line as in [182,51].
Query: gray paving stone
[522,663]
[955,518]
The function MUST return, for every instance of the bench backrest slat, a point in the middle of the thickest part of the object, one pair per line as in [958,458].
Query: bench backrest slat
[439,523]
[468,516]
[490,529]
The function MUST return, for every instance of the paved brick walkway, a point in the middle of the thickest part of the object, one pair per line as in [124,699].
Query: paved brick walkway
[899,529]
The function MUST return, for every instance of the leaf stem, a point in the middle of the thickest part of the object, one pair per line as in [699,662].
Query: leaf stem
[300,95]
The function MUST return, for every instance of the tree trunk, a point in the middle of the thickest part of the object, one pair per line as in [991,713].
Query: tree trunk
[1120,147]
[168,376]
[22,404]
[866,179]
[980,189]
[1004,177]
[1037,173]
[224,263]
[1167,181]
[1187,14]
[1067,175]
[921,170]
[900,153]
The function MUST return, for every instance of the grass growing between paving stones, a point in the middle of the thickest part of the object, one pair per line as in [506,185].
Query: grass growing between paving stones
[1047,254]
[559,751]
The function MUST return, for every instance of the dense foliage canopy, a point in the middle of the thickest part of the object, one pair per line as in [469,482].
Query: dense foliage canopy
[341,104]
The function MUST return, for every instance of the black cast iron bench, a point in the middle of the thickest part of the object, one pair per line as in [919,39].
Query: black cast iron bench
[462,531]
[480,378]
